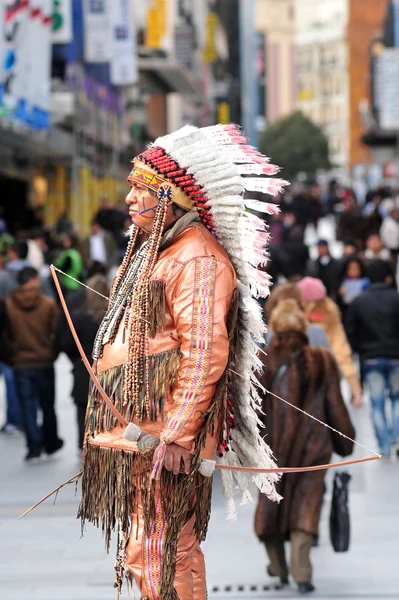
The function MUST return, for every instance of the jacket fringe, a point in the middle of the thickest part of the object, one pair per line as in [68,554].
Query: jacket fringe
[157,307]
[163,369]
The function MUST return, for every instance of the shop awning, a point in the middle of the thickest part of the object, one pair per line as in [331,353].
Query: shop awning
[54,146]
[380,137]
[171,73]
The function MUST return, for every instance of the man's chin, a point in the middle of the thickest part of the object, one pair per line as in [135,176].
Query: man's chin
[138,222]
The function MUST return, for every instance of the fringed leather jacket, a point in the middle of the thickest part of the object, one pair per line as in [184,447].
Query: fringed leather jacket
[193,301]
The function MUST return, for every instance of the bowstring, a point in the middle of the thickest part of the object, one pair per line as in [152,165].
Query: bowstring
[312,416]
[245,378]
[81,283]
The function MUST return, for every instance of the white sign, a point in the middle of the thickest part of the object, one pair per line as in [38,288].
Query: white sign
[38,73]
[15,59]
[97,30]
[62,22]
[387,88]
[2,49]
[124,52]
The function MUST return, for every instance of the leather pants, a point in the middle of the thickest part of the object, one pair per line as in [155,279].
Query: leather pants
[143,559]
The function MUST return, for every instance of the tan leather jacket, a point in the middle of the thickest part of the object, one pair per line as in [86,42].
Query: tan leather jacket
[199,282]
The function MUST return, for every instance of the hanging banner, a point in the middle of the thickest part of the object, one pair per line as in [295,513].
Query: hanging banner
[62,22]
[96,14]
[209,54]
[2,48]
[124,52]
[156,25]
[39,73]
[15,59]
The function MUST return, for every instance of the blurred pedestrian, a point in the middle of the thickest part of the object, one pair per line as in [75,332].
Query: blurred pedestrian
[64,225]
[350,219]
[100,246]
[6,240]
[322,311]
[12,418]
[351,248]
[70,262]
[373,331]
[375,248]
[389,233]
[87,320]
[30,328]
[17,257]
[294,254]
[353,282]
[285,291]
[35,252]
[315,205]
[309,379]
[325,268]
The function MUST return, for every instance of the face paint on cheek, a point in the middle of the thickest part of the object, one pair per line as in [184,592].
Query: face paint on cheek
[147,213]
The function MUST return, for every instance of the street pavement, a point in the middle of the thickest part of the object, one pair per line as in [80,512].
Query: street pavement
[43,556]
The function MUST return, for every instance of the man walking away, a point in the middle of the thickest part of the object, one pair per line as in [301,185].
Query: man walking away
[373,332]
[31,322]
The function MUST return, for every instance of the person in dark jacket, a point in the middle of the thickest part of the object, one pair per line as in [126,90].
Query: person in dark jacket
[87,320]
[373,331]
[309,379]
[325,268]
[294,254]
[30,326]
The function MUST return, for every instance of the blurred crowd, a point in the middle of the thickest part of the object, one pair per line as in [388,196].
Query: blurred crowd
[33,329]
[333,314]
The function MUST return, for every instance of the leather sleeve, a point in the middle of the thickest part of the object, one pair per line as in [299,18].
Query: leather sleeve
[199,302]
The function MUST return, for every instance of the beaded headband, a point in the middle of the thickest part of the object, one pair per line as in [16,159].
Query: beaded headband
[153,181]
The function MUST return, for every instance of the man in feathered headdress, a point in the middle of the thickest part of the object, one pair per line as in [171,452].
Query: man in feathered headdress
[177,355]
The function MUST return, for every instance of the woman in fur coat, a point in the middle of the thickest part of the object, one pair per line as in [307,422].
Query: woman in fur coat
[309,378]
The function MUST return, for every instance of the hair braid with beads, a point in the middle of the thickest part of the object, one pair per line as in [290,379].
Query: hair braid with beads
[136,372]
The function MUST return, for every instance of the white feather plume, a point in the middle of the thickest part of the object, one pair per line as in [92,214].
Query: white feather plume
[219,158]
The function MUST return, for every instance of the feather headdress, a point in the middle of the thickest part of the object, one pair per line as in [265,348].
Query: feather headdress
[215,167]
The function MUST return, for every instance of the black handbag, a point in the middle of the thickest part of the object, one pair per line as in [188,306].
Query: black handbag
[339,515]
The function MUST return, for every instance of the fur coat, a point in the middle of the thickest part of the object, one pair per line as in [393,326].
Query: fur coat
[310,380]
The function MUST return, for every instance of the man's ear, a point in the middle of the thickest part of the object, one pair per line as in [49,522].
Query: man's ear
[389,280]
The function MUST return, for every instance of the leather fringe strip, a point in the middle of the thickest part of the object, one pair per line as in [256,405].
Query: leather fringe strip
[163,369]
[157,306]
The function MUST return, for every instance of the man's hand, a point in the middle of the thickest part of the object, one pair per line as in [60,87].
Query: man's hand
[173,456]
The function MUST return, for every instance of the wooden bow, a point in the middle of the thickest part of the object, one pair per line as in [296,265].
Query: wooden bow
[124,423]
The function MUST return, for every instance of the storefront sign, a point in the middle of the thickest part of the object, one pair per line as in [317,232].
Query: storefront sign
[156,25]
[97,30]
[37,84]
[386,88]
[62,22]
[124,52]
[209,54]
[14,58]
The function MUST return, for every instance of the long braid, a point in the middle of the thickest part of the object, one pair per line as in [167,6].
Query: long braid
[136,375]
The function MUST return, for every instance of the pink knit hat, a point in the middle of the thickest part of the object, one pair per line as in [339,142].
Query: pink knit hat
[312,289]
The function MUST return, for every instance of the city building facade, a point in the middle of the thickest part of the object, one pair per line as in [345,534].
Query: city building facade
[115,75]
[333,40]
[277,74]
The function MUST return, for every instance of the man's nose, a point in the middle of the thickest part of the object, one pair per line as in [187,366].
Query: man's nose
[131,197]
